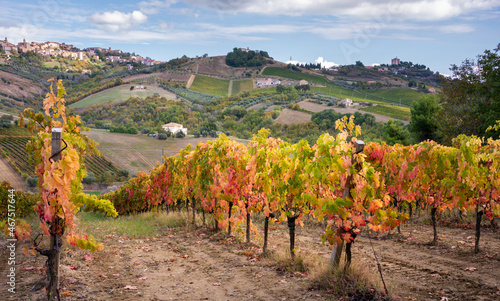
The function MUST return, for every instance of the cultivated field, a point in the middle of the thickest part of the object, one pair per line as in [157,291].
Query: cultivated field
[283,72]
[394,112]
[407,96]
[288,116]
[121,93]
[240,86]
[314,107]
[210,85]
[139,152]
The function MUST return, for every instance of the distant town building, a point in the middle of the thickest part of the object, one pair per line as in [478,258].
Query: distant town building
[245,49]
[303,82]
[9,48]
[24,47]
[395,61]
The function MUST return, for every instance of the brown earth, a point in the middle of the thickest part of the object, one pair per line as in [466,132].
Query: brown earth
[7,173]
[19,86]
[288,116]
[140,152]
[200,265]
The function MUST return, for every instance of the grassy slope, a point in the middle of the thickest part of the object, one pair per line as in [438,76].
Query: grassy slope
[375,96]
[242,85]
[119,93]
[210,85]
[407,96]
[277,71]
[391,111]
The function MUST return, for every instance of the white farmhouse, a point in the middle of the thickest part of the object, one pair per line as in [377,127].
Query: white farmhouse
[346,102]
[174,128]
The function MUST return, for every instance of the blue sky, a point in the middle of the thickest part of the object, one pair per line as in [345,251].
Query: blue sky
[436,33]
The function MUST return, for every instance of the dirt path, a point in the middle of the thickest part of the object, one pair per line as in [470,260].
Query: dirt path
[8,174]
[177,266]
[414,270]
[201,265]
[230,90]
[190,81]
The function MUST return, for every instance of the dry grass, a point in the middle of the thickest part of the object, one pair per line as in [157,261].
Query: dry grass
[288,116]
[360,281]
[357,282]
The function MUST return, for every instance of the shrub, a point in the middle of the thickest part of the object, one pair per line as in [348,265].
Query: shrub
[180,134]
[145,131]
[132,130]
[123,173]
[107,177]
[32,181]
[89,179]
[196,134]
[162,136]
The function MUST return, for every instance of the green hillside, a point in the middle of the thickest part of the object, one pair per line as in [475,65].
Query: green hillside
[282,72]
[407,96]
[120,93]
[241,86]
[402,113]
[210,85]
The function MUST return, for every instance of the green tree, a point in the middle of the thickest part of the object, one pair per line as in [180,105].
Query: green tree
[424,122]
[471,97]
[393,132]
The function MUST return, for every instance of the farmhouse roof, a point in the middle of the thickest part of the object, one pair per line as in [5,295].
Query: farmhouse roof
[172,124]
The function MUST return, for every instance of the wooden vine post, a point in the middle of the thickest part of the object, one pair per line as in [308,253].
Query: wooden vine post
[337,250]
[56,229]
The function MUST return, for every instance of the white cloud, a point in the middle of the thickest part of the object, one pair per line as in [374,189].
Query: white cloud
[457,28]
[117,21]
[368,9]
[154,6]
[324,63]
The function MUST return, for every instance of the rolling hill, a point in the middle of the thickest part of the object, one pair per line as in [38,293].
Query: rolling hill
[121,93]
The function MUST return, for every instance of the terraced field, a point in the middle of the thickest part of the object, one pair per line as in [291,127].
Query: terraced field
[13,148]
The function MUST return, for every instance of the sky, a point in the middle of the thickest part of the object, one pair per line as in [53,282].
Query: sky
[436,33]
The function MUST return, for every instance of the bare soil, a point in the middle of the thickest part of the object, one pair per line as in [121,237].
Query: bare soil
[183,264]
[7,173]
[288,116]
[19,86]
